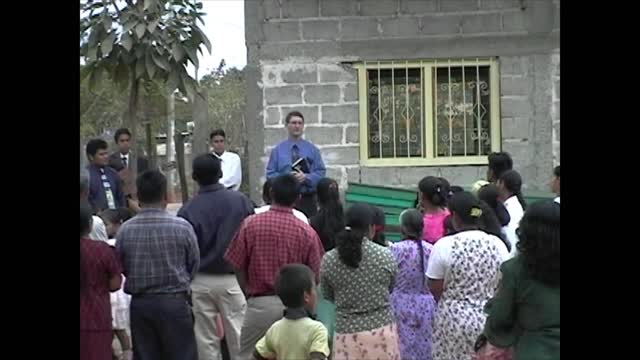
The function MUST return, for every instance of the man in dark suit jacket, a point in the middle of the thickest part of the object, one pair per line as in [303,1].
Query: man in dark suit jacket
[119,160]
[105,189]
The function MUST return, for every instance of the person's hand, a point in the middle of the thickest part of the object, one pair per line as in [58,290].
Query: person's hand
[300,176]
[134,205]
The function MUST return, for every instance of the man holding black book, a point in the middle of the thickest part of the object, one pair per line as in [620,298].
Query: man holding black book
[300,158]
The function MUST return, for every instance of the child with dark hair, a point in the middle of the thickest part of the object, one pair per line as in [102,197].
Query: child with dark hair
[378,226]
[510,193]
[357,276]
[499,162]
[120,302]
[463,266]
[267,189]
[434,193]
[412,303]
[297,335]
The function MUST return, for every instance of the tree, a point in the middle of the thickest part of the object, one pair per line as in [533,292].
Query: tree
[141,41]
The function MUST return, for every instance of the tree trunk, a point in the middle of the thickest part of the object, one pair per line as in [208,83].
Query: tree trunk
[170,148]
[133,122]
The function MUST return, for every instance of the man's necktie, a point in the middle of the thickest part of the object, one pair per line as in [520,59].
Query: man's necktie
[124,161]
[295,153]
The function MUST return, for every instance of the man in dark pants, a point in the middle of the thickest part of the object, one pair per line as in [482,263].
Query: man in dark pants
[215,214]
[286,153]
[160,256]
[120,161]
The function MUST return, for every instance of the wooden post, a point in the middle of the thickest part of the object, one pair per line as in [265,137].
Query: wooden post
[202,126]
[184,187]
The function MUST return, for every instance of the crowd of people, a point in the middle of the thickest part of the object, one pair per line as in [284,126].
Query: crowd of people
[475,276]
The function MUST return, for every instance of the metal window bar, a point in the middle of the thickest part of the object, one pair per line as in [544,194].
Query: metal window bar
[408,123]
[393,106]
[464,107]
[450,110]
[434,111]
[479,103]
[421,112]
[379,112]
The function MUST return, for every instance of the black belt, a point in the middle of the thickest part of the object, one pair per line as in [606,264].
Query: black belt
[182,294]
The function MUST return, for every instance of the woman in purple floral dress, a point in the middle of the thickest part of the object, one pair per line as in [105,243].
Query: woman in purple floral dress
[412,304]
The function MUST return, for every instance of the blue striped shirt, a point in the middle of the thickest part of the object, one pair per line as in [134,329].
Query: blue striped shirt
[159,253]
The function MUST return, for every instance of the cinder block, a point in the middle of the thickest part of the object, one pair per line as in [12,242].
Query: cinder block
[320,30]
[298,9]
[274,136]
[271,9]
[291,94]
[516,85]
[379,7]
[310,113]
[341,155]
[338,8]
[301,75]
[440,25]
[335,73]
[272,116]
[321,94]
[458,5]
[281,31]
[323,135]
[352,135]
[350,92]
[339,114]
[500,4]
[400,27]
[518,107]
[359,29]
[412,7]
[481,23]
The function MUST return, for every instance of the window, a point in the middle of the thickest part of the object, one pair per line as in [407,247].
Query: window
[428,112]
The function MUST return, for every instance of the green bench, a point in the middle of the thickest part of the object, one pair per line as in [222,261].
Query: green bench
[394,200]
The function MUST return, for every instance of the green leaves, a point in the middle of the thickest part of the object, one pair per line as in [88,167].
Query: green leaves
[140,29]
[127,41]
[151,66]
[107,44]
[160,61]
[177,51]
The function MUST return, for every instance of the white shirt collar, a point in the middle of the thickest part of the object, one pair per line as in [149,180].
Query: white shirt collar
[557,199]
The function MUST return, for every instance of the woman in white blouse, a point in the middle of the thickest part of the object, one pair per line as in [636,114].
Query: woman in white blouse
[510,193]
[463,274]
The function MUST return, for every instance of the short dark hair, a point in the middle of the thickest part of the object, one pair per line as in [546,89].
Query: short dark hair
[292,282]
[206,169]
[435,190]
[556,171]
[285,190]
[94,145]
[292,114]
[86,217]
[499,162]
[217,132]
[152,187]
[120,132]
[266,191]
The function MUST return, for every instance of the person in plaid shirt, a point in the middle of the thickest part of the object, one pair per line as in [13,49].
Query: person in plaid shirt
[263,244]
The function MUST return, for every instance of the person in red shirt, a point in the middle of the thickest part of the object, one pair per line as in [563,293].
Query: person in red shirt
[100,273]
[263,244]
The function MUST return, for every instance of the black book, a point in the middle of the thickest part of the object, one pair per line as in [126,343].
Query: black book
[301,165]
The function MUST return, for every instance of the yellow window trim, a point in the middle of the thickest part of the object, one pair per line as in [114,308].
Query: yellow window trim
[427,67]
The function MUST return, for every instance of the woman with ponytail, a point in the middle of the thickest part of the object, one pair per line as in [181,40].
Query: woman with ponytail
[463,274]
[510,193]
[357,276]
[434,193]
[412,303]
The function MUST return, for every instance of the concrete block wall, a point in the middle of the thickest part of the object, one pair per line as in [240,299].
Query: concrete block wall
[299,55]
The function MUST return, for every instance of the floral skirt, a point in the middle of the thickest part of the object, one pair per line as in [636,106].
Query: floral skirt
[380,343]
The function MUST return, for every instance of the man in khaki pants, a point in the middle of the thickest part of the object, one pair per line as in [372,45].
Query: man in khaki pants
[215,214]
[263,244]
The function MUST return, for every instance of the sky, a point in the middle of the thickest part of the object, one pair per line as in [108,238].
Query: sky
[224,26]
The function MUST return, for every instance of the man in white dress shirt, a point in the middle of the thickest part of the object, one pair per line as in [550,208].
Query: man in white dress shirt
[555,183]
[230,162]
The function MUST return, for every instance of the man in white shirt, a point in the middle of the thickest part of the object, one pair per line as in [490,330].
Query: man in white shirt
[555,183]
[229,162]
[266,197]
